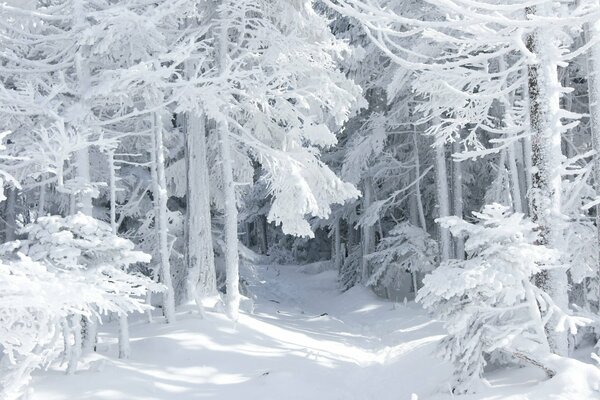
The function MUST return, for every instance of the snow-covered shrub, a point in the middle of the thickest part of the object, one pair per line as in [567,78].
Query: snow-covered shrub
[408,248]
[64,270]
[488,301]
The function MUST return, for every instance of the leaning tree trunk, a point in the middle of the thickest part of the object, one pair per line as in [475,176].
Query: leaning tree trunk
[160,217]
[201,275]
[546,153]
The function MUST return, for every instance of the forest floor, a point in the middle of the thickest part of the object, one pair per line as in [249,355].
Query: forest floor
[304,340]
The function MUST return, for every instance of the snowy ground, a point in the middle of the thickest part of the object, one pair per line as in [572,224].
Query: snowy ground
[303,341]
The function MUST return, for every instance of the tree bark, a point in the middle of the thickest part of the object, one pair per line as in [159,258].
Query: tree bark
[231,228]
[457,200]
[515,181]
[84,205]
[160,217]
[546,153]
[124,347]
[418,194]
[201,275]
[262,235]
[337,245]
[10,215]
[42,200]
[368,232]
[443,200]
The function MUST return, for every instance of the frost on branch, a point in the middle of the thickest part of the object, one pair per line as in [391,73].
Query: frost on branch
[488,301]
[65,269]
[302,185]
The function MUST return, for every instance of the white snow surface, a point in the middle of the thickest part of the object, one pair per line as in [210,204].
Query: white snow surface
[304,340]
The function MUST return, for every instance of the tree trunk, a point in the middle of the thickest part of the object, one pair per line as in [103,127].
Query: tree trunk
[441,175]
[42,200]
[457,200]
[515,181]
[10,215]
[201,278]
[515,184]
[337,245]
[82,165]
[84,205]
[231,228]
[418,195]
[528,163]
[262,236]
[160,217]
[230,204]
[75,350]
[124,347]
[368,232]
[545,197]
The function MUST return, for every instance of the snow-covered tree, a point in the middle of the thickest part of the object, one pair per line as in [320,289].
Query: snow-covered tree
[65,269]
[489,302]
[407,248]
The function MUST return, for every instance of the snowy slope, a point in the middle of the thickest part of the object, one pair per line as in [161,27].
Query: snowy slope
[304,341]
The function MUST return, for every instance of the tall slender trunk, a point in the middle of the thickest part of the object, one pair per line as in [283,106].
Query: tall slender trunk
[83,200]
[84,205]
[124,347]
[82,165]
[337,245]
[457,200]
[201,275]
[522,172]
[413,213]
[160,217]
[592,32]
[527,155]
[441,175]
[545,197]
[231,228]
[418,194]
[263,241]
[515,184]
[42,199]
[230,206]
[368,232]
[515,181]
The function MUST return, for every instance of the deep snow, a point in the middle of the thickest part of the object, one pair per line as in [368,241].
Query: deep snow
[305,340]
